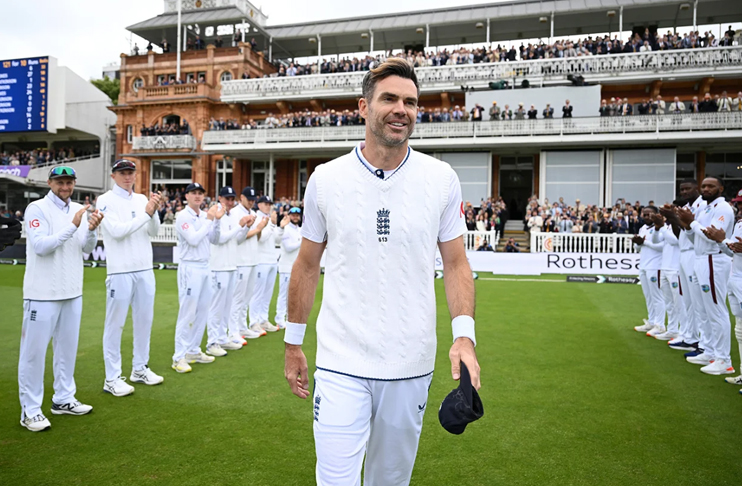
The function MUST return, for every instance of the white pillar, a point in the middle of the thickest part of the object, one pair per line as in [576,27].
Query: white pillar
[243,30]
[620,23]
[270,49]
[270,176]
[177,48]
[551,30]
[185,37]
[695,15]
[371,36]
[319,49]
[427,35]
[488,32]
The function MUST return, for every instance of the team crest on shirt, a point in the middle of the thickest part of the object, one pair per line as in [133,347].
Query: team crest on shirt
[185,226]
[674,285]
[705,288]
[653,279]
[382,224]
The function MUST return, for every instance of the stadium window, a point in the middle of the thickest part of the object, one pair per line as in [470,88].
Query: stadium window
[224,170]
[727,166]
[174,172]
[685,167]
[138,83]
[129,134]
[226,76]
[190,78]
[302,178]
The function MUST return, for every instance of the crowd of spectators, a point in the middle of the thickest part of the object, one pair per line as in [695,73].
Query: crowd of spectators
[41,157]
[491,215]
[658,106]
[297,119]
[599,45]
[165,129]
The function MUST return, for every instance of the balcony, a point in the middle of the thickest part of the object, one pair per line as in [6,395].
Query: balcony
[164,142]
[585,131]
[595,69]
[173,92]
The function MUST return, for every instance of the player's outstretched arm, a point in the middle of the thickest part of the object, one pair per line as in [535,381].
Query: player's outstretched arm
[303,285]
[459,284]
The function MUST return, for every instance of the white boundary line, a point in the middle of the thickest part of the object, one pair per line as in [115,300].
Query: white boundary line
[522,280]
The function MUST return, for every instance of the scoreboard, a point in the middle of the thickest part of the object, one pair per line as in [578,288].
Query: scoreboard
[24,95]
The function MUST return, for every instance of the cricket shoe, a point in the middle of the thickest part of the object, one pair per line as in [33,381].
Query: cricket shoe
[118,387]
[37,423]
[267,326]
[215,350]
[199,358]
[280,325]
[656,330]
[734,380]
[231,345]
[258,329]
[181,366]
[683,346]
[696,352]
[146,376]
[701,359]
[71,408]
[666,336]
[250,334]
[239,339]
[719,367]
[645,328]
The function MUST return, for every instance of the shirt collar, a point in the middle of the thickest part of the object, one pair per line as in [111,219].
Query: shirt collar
[192,212]
[63,205]
[121,192]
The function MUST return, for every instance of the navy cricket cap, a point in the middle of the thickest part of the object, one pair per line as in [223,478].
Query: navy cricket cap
[194,186]
[227,191]
[123,164]
[249,193]
[462,406]
[264,199]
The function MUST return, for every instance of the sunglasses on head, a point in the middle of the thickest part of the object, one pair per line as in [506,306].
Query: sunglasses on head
[62,171]
[124,165]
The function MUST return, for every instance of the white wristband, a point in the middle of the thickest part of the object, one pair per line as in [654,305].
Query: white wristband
[294,333]
[463,326]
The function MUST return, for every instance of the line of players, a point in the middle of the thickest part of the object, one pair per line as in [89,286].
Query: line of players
[228,263]
[690,261]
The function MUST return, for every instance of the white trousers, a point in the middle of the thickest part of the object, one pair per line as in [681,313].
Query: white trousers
[690,329]
[670,286]
[282,304]
[356,416]
[735,302]
[194,297]
[713,275]
[650,280]
[58,321]
[124,290]
[222,288]
[243,289]
[260,301]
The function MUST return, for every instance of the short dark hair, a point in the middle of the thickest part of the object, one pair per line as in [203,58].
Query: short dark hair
[652,208]
[689,181]
[395,66]
[721,181]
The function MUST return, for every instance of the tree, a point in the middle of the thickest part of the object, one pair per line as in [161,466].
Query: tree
[111,87]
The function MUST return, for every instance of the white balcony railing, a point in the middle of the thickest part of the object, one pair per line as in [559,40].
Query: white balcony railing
[164,142]
[474,239]
[581,243]
[638,65]
[511,128]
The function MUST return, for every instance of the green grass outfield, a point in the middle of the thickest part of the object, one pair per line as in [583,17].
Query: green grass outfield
[572,396]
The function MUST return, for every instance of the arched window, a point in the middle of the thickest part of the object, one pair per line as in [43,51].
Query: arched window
[226,76]
[138,83]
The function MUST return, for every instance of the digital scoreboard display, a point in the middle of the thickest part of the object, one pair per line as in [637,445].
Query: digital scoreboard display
[24,94]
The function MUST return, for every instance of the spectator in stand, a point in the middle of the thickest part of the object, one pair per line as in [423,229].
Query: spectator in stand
[658,106]
[708,105]
[532,113]
[199,43]
[626,108]
[566,110]
[457,114]
[520,113]
[695,106]
[725,102]
[604,110]
[737,105]
[621,224]
[476,113]
[494,112]
[644,107]
[606,224]
[507,113]
[548,112]
[677,107]
[485,246]
[535,222]
[565,225]
[548,226]
[512,246]
[135,50]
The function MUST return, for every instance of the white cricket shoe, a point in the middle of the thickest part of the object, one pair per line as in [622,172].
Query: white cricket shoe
[181,366]
[666,336]
[71,408]
[239,339]
[719,367]
[645,328]
[702,359]
[676,340]
[37,423]
[656,330]
[258,329]
[146,376]
[118,387]
[250,334]
[280,325]
[734,380]
[231,345]
[199,358]
[267,326]
[215,350]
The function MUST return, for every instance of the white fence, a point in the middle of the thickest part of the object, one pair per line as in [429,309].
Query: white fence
[705,61]
[508,128]
[164,142]
[581,243]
